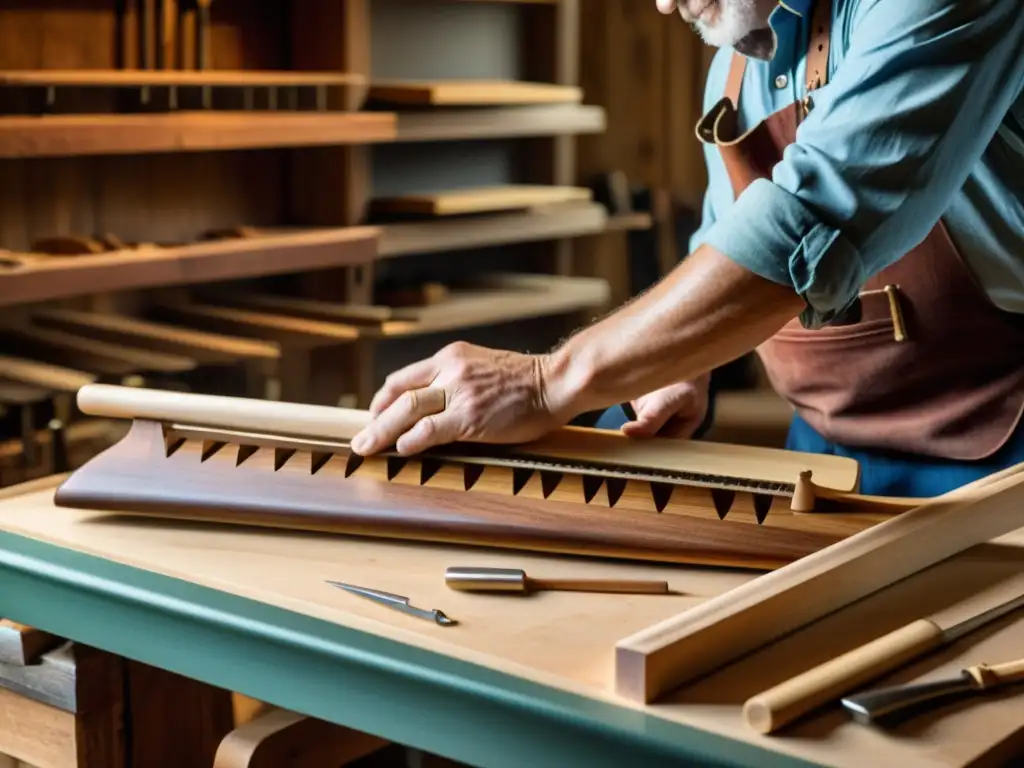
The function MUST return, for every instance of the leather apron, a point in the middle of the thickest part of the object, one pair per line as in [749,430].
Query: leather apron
[929,366]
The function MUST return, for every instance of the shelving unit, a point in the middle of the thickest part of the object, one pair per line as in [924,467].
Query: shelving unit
[227,199]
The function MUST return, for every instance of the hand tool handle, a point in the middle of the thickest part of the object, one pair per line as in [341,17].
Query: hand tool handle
[627,586]
[987,676]
[778,706]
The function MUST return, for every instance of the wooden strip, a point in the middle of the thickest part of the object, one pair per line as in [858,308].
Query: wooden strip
[485,306]
[459,123]
[56,277]
[75,135]
[52,377]
[549,222]
[12,393]
[203,346]
[282,329]
[370,315]
[92,355]
[478,200]
[471,92]
[119,78]
[656,660]
[572,443]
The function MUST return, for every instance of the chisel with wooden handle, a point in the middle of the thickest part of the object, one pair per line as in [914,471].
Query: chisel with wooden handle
[467,579]
[870,706]
[776,707]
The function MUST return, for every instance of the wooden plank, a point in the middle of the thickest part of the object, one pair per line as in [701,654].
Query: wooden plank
[20,644]
[92,355]
[119,78]
[459,123]
[14,393]
[100,134]
[56,277]
[461,93]
[52,377]
[496,298]
[497,303]
[204,346]
[281,329]
[656,660]
[475,200]
[545,223]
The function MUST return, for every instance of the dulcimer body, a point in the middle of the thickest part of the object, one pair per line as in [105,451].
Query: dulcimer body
[578,491]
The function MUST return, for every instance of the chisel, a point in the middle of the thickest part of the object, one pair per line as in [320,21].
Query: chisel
[870,706]
[516,580]
[772,709]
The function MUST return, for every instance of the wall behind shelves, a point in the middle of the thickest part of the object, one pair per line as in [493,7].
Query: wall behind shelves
[414,39]
[161,198]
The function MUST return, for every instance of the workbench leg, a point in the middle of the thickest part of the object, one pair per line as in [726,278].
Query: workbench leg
[282,739]
[174,721]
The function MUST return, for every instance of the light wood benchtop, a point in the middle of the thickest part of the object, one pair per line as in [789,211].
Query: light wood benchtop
[566,640]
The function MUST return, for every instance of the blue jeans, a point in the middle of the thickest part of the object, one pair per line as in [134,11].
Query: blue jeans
[889,474]
[882,474]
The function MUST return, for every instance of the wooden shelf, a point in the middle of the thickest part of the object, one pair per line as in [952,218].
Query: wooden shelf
[191,131]
[494,298]
[202,346]
[546,223]
[447,93]
[460,123]
[629,221]
[29,278]
[125,78]
[477,200]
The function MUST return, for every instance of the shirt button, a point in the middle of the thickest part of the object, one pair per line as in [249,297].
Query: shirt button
[781,81]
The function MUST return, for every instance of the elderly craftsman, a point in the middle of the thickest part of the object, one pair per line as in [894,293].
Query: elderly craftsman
[863,230]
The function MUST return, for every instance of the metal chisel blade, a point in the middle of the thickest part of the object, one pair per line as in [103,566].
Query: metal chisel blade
[397,602]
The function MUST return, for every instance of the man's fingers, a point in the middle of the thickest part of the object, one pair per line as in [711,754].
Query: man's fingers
[414,376]
[438,429]
[398,418]
[666,6]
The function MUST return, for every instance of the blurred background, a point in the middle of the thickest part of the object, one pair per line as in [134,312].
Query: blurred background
[288,200]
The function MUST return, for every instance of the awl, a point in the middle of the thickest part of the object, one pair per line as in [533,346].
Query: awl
[778,706]
[870,706]
[515,580]
[397,602]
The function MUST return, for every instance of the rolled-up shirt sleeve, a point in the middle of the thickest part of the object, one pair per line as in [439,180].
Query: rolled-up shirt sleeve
[918,95]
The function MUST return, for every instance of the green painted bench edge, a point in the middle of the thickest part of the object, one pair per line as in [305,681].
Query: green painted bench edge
[379,686]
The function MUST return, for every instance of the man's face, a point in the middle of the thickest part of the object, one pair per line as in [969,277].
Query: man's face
[722,23]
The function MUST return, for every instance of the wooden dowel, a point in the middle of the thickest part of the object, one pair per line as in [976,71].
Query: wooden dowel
[629,586]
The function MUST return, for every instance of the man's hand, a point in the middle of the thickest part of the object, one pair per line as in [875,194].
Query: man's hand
[462,393]
[673,411]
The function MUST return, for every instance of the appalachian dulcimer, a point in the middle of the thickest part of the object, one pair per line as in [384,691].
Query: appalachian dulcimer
[576,491]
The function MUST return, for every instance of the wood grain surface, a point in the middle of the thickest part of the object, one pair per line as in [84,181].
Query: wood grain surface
[210,481]
[565,639]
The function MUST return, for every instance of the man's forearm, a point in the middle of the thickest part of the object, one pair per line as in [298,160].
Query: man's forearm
[705,313]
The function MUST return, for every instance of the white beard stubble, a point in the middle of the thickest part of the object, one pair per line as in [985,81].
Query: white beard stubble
[736,19]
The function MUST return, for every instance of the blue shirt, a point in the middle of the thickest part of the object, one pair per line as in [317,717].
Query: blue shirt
[922,118]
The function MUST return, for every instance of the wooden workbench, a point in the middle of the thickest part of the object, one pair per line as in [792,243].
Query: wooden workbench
[518,681]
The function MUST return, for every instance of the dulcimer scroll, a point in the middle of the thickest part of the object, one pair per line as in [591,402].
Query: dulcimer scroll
[577,491]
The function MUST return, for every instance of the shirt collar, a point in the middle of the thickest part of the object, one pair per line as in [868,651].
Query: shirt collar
[762,43]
